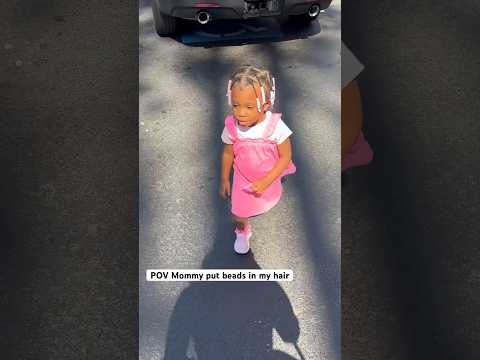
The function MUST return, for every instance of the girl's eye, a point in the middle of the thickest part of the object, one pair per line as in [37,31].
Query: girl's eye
[250,107]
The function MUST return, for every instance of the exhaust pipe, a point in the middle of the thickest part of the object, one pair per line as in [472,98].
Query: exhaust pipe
[314,11]
[203,17]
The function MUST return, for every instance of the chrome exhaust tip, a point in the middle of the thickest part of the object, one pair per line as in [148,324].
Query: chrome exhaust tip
[203,17]
[314,10]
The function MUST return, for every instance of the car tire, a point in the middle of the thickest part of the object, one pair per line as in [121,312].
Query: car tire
[164,25]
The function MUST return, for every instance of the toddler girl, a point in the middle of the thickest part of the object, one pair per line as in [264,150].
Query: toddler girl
[256,143]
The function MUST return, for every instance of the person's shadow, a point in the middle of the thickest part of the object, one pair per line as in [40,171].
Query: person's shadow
[230,320]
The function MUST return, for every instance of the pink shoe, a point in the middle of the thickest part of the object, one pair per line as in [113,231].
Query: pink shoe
[360,154]
[242,242]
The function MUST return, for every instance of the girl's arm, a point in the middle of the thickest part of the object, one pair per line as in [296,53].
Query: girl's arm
[227,162]
[285,152]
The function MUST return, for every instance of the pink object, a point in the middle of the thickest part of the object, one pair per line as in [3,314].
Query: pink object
[360,154]
[253,160]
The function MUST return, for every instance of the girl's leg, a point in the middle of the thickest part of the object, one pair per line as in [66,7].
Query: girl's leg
[240,223]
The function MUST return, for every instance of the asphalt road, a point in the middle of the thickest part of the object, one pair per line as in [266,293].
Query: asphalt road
[69,188]
[184,223]
[410,269]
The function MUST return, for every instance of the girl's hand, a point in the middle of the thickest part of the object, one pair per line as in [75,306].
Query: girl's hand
[224,189]
[259,186]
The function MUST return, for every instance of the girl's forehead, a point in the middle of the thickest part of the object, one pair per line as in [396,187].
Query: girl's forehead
[245,90]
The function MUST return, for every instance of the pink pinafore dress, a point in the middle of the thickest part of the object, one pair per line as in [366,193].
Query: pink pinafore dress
[253,160]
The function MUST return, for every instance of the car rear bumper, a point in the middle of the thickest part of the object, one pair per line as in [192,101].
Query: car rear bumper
[233,9]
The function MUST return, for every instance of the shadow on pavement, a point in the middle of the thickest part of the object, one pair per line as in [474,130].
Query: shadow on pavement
[243,32]
[230,320]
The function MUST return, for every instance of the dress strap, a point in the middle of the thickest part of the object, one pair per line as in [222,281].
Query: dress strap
[272,124]
[230,125]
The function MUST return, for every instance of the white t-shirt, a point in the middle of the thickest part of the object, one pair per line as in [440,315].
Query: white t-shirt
[280,134]
[351,67]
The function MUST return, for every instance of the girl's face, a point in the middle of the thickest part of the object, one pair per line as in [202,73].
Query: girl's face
[244,104]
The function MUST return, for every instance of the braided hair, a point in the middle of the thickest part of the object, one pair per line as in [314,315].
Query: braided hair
[248,75]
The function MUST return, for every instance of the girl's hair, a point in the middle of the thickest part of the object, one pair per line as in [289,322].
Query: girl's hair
[249,75]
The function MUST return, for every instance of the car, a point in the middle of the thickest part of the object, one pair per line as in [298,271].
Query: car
[167,14]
